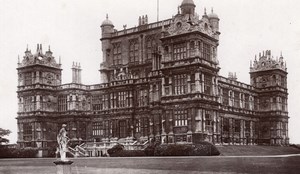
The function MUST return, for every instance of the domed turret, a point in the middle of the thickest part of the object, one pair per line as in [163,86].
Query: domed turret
[214,20]
[107,22]
[107,27]
[213,15]
[188,7]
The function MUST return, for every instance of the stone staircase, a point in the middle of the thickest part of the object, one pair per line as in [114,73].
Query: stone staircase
[78,151]
[93,149]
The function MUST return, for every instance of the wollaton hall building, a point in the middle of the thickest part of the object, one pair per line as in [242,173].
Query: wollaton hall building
[160,82]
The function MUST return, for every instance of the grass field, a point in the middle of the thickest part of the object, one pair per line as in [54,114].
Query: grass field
[161,165]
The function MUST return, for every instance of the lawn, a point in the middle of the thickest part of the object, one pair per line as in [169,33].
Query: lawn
[162,165]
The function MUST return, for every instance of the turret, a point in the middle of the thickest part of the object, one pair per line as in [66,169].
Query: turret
[107,28]
[188,7]
[214,20]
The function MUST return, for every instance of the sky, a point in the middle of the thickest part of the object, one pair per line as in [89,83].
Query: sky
[72,29]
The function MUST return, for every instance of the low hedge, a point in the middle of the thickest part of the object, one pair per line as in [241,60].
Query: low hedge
[17,153]
[200,149]
[129,153]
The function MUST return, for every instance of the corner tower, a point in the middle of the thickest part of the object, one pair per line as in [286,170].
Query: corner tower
[38,76]
[107,28]
[269,77]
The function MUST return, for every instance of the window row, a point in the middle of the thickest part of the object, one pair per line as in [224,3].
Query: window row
[134,50]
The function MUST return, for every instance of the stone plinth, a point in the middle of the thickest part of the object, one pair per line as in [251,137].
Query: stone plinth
[63,167]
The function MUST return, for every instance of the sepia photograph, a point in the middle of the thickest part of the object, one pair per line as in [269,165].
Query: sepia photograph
[149,86]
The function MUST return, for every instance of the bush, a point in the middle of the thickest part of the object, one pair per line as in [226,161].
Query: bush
[129,153]
[149,150]
[173,150]
[200,149]
[17,153]
[115,149]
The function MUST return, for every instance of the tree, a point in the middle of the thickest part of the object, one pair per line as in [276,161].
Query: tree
[4,132]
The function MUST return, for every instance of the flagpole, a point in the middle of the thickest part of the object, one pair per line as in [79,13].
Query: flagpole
[157,10]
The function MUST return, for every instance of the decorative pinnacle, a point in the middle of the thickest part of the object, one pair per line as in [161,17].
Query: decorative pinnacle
[106,16]
[212,10]
[205,11]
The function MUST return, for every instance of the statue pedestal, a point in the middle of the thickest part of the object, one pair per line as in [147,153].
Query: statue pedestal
[63,167]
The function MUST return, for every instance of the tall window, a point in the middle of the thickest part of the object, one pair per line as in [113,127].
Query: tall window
[105,100]
[107,128]
[144,126]
[206,51]
[237,126]
[133,51]
[62,103]
[123,128]
[117,58]
[97,128]
[27,131]
[226,124]
[179,51]
[208,121]
[207,84]
[247,126]
[28,103]
[225,97]
[143,97]
[231,98]
[180,84]
[122,99]
[192,81]
[236,99]
[97,103]
[150,45]
[180,117]
[113,99]
[28,78]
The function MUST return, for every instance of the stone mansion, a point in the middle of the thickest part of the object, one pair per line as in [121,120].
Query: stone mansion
[160,82]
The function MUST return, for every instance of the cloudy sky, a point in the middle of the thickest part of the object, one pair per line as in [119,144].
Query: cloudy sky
[72,28]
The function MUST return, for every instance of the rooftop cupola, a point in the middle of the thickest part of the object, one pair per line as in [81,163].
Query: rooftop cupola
[188,7]
[214,20]
[107,27]
[107,22]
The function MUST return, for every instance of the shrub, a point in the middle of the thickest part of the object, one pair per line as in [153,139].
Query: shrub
[173,150]
[115,149]
[149,150]
[129,153]
[200,149]
[17,153]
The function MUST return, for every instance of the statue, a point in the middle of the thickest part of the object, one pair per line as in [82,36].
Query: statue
[62,141]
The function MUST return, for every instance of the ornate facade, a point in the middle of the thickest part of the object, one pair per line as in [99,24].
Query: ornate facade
[160,82]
